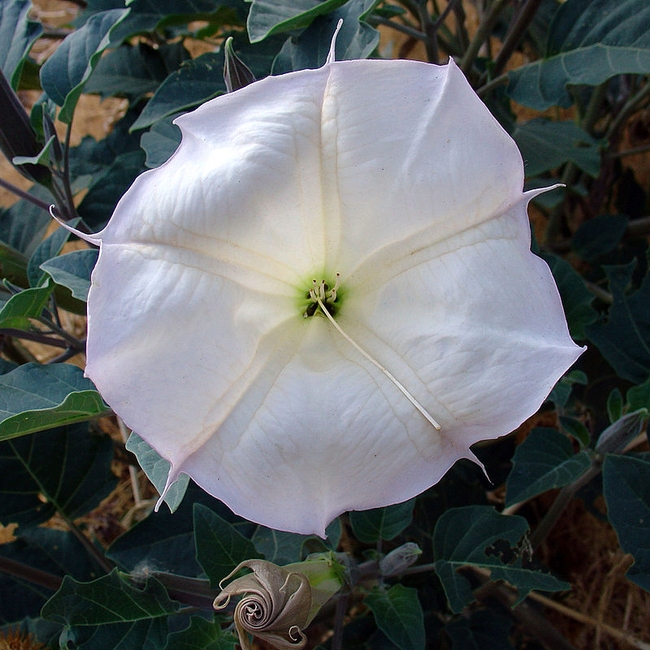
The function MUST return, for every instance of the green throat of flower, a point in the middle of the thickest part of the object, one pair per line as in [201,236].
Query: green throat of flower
[323,299]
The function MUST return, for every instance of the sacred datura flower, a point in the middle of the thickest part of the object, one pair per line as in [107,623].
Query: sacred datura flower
[278,603]
[327,294]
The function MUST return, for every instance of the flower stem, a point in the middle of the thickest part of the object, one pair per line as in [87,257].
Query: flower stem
[482,34]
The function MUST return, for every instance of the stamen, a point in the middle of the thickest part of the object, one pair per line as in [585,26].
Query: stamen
[377,365]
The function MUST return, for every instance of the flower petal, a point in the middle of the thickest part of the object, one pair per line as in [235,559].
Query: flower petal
[395,175]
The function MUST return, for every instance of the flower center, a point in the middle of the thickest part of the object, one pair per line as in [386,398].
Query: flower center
[321,294]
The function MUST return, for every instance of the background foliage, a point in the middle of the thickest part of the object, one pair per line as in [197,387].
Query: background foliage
[88,565]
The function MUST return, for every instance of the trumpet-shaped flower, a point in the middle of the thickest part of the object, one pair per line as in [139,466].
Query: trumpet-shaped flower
[327,294]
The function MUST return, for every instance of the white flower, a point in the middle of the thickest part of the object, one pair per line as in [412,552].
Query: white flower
[208,331]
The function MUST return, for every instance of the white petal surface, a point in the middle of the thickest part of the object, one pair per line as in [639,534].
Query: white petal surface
[391,173]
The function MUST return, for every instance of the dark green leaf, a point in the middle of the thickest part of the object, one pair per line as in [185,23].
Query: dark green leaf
[160,141]
[576,428]
[133,71]
[23,225]
[29,303]
[545,145]
[66,470]
[482,630]
[277,546]
[479,536]
[370,526]
[113,598]
[145,634]
[590,41]
[17,35]
[64,74]
[544,461]
[48,249]
[638,397]
[399,616]
[268,17]
[73,270]
[219,547]
[201,634]
[102,197]
[626,486]
[599,236]
[55,552]
[355,40]
[562,390]
[615,405]
[157,470]
[624,338]
[34,397]
[576,298]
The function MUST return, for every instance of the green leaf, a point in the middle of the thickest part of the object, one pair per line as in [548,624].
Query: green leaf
[219,547]
[17,35]
[356,38]
[598,236]
[34,398]
[479,536]
[65,73]
[638,397]
[615,405]
[29,303]
[545,145]
[201,634]
[64,470]
[369,526]
[399,616]
[157,470]
[624,338]
[23,225]
[576,429]
[133,71]
[268,17]
[146,634]
[55,552]
[113,598]
[543,461]
[160,141]
[73,270]
[576,298]
[48,249]
[481,630]
[277,546]
[590,41]
[562,390]
[626,486]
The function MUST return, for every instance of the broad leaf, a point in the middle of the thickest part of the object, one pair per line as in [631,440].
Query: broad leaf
[113,598]
[157,470]
[219,547]
[576,298]
[355,40]
[638,397]
[160,141]
[145,634]
[17,35]
[268,17]
[399,616]
[599,236]
[64,74]
[64,470]
[21,307]
[73,270]
[370,526]
[479,536]
[624,337]
[132,71]
[35,397]
[590,41]
[626,486]
[201,634]
[277,546]
[54,552]
[23,225]
[48,249]
[545,145]
[544,461]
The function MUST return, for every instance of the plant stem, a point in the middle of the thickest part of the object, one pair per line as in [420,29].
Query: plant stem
[515,34]
[189,591]
[92,550]
[630,107]
[74,342]
[339,621]
[24,195]
[482,34]
[404,29]
[30,574]
[33,336]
